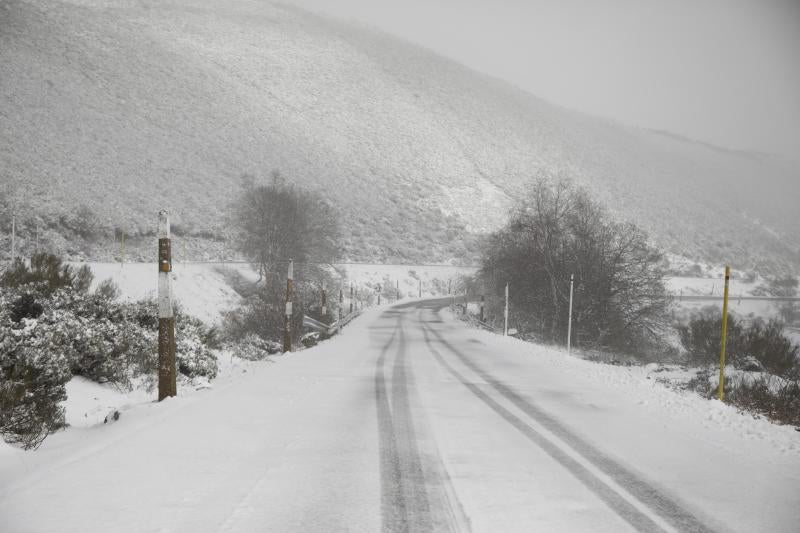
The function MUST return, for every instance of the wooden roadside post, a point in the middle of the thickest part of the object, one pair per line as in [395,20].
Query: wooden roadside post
[166,319]
[505,315]
[723,342]
[13,239]
[420,288]
[287,318]
[351,297]
[483,300]
[324,302]
[569,324]
[341,302]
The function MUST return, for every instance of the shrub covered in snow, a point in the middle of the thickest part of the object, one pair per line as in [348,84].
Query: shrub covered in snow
[763,341]
[32,380]
[52,328]
[253,348]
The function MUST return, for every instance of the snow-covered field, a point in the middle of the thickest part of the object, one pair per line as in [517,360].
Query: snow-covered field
[408,397]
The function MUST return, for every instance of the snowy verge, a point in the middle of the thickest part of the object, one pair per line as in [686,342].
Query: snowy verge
[651,388]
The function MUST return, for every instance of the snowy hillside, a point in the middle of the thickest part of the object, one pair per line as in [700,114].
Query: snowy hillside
[126,107]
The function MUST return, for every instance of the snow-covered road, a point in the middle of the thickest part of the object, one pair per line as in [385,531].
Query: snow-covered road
[411,421]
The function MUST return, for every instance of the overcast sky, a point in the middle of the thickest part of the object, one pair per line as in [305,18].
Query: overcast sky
[723,71]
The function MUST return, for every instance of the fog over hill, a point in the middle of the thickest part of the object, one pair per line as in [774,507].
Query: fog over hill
[128,106]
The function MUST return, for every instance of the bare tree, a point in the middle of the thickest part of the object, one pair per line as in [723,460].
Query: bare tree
[558,230]
[277,222]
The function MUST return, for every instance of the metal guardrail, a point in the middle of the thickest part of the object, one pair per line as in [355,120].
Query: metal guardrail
[329,329]
[710,298]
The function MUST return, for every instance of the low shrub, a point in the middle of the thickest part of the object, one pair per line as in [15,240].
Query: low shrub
[52,328]
[762,340]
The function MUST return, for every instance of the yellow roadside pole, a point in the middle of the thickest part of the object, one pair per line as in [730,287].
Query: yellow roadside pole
[721,386]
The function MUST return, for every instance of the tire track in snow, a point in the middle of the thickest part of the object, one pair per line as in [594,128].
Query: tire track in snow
[415,491]
[670,515]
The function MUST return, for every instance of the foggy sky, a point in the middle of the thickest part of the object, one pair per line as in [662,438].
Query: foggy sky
[721,71]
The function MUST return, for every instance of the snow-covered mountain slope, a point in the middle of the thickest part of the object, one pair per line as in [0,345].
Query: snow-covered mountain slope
[127,107]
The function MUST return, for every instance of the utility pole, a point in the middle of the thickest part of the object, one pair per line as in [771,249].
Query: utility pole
[287,319]
[569,324]
[505,315]
[721,385]
[166,319]
[13,239]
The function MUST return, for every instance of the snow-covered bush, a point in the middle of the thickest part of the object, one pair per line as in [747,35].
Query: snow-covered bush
[760,340]
[194,342]
[52,328]
[32,380]
[254,348]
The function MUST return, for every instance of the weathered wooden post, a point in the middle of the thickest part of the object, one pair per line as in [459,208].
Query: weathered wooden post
[483,299]
[341,303]
[287,319]
[569,323]
[379,294]
[724,337]
[324,302]
[13,239]
[166,319]
[351,297]
[420,288]
[505,315]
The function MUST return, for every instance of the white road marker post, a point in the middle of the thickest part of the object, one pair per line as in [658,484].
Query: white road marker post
[505,315]
[166,319]
[287,318]
[569,324]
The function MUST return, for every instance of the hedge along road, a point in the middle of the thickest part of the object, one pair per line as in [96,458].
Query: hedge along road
[407,421]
